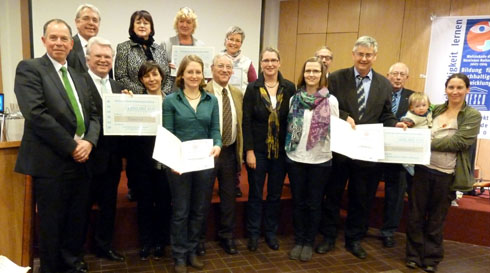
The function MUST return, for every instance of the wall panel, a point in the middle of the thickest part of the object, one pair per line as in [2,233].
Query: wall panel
[313,16]
[307,45]
[383,20]
[288,24]
[341,45]
[470,7]
[343,16]
[416,37]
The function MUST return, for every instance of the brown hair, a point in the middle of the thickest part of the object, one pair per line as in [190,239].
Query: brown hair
[179,81]
[140,14]
[147,67]
[323,79]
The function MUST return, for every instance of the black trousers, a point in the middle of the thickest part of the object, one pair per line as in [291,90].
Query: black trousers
[104,194]
[62,204]
[190,193]
[363,182]
[225,169]
[154,207]
[307,186]
[396,180]
[429,201]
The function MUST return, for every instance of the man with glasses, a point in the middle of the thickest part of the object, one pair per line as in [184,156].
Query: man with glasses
[87,20]
[395,175]
[326,56]
[228,163]
[364,97]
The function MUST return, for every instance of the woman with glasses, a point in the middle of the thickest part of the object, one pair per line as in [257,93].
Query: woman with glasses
[265,111]
[309,157]
[243,68]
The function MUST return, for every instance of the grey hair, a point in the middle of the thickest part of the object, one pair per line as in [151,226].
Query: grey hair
[393,65]
[235,30]
[323,47]
[86,6]
[99,41]
[220,55]
[366,41]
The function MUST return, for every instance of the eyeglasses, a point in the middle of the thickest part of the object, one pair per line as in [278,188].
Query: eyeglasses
[312,71]
[368,56]
[273,61]
[327,58]
[396,74]
[222,66]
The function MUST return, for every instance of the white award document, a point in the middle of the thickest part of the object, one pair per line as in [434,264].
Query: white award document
[204,52]
[236,78]
[137,115]
[182,157]
[7,266]
[364,143]
[411,146]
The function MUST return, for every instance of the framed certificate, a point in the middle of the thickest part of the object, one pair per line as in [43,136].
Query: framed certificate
[205,53]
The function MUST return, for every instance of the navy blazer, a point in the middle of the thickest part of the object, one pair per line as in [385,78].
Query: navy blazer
[76,58]
[403,104]
[342,85]
[50,122]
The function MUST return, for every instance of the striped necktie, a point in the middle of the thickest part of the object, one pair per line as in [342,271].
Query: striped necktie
[361,96]
[394,105]
[227,123]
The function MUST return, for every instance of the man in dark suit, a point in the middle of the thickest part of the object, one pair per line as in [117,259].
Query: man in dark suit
[395,176]
[364,97]
[61,127]
[230,159]
[105,162]
[87,20]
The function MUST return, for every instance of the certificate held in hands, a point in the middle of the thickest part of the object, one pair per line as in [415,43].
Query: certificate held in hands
[182,157]
[136,115]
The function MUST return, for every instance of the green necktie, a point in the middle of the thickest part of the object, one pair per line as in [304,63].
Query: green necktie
[71,95]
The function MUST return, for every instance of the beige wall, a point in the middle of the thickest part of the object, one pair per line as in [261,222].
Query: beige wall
[402,29]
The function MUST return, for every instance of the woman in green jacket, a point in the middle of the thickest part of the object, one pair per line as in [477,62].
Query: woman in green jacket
[455,128]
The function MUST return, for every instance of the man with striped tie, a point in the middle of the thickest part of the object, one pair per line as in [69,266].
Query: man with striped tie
[364,97]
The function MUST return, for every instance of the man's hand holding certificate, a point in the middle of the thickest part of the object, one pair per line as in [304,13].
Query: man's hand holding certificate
[373,142]
[182,157]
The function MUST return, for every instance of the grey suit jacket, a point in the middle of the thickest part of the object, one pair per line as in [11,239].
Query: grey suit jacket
[237,96]
[342,85]
[76,58]
[50,122]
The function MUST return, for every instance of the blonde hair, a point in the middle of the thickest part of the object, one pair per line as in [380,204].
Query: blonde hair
[185,13]
[417,96]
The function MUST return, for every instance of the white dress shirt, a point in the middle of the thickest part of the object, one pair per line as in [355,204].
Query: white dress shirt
[218,92]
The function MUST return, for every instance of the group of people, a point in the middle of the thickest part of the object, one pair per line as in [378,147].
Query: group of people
[267,122]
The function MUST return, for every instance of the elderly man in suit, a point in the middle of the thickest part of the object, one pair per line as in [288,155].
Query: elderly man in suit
[230,159]
[395,176]
[61,128]
[364,97]
[87,20]
[105,161]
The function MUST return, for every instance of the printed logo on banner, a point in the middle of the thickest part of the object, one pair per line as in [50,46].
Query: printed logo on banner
[475,62]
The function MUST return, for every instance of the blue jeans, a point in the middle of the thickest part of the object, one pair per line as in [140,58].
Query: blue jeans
[276,172]
[189,208]
[307,186]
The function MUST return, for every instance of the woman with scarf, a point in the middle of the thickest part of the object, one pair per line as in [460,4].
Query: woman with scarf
[243,68]
[140,47]
[265,111]
[308,153]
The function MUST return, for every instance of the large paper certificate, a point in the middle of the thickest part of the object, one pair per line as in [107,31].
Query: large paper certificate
[183,157]
[137,115]
[411,146]
[363,143]
[205,53]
